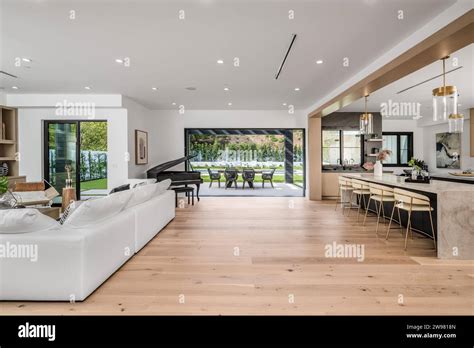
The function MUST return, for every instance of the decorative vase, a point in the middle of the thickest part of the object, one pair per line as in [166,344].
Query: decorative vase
[7,200]
[4,169]
[378,168]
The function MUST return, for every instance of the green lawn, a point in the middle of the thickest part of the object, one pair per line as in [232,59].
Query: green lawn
[99,184]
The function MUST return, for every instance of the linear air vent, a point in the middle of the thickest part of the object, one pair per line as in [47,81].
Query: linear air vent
[5,73]
[293,38]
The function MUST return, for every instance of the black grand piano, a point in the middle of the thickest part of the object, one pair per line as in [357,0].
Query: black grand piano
[178,177]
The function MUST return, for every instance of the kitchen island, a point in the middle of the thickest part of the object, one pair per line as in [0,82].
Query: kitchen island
[454,211]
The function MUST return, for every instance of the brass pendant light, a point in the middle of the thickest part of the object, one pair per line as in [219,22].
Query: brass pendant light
[366,121]
[445,98]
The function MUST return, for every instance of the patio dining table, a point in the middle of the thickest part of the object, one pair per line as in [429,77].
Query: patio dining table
[241,170]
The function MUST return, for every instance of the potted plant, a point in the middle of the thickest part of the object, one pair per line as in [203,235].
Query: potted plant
[3,185]
[416,167]
[7,200]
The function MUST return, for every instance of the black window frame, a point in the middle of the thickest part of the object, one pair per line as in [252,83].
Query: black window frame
[45,159]
[341,145]
[410,148]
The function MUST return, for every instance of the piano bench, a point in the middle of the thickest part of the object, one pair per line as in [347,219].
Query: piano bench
[189,191]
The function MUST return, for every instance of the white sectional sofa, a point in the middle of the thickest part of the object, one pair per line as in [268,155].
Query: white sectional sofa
[74,259]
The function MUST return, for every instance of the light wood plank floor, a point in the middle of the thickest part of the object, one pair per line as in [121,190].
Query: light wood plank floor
[266,256]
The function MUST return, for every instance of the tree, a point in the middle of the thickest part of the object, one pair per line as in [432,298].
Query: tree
[94,136]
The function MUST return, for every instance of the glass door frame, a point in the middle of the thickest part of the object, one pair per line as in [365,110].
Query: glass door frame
[189,131]
[77,176]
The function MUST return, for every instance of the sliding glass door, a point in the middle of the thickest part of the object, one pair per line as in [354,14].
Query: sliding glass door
[61,150]
[79,147]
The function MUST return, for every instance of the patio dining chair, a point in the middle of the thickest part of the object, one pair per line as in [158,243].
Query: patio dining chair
[249,176]
[214,176]
[231,175]
[268,175]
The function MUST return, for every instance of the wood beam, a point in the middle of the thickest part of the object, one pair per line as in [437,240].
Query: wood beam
[447,40]
[471,130]
[314,157]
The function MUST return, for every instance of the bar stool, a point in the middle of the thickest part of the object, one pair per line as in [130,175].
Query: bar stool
[411,202]
[360,189]
[345,185]
[381,194]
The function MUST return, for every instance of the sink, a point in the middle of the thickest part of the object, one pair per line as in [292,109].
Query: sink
[343,168]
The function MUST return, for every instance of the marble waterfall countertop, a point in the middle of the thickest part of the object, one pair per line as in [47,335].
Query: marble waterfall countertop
[435,186]
[454,212]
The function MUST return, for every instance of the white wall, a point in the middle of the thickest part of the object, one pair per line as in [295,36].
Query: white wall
[3,98]
[424,140]
[429,149]
[31,141]
[166,127]
[138,117]
[34,108]
[48,100]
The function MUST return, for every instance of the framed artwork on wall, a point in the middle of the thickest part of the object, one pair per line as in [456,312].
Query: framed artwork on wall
[141,147]
[448,150]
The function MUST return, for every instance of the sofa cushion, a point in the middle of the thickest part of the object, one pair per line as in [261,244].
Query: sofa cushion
[94,211]
[142,194]
[163,186]
[24,221]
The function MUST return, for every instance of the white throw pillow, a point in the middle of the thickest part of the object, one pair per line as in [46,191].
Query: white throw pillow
[142,194]
[24,221]
[69,210]
[94,211]
[163,186]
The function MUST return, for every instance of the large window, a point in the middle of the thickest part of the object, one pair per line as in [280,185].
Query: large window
[351,147]
[401,145]
[331,147]
[341,147]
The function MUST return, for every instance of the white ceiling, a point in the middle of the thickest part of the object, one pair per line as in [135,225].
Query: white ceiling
[462,78]
[172,54]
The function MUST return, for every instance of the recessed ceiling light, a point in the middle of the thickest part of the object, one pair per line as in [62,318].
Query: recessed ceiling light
[87,87]
[28,60]
[173,103]
[230,104]
[226,88]
[154,88]
[14,87]
[220,61]
[118,60]
[284,104]
[319,62]
[297,89]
